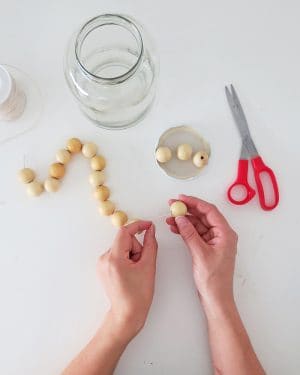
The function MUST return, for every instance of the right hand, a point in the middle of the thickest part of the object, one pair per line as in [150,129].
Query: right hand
[212,244]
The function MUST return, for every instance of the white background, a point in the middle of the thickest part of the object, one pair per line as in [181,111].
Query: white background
[51,301]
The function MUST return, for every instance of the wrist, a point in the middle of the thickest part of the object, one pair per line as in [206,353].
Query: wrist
[214,303]
[111,328]
[123,328]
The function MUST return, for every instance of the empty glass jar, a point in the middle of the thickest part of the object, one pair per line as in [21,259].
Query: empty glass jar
[112,69]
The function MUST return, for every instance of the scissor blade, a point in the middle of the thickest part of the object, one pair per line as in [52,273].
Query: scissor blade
[237,113]
[244,154]
[249,145]
[248,149]
[239,106]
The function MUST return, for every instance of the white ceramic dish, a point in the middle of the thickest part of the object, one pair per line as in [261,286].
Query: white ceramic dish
[172,137]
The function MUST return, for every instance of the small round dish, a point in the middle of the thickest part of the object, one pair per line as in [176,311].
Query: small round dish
[172,138]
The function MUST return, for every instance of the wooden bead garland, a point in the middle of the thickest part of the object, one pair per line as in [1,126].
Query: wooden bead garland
[74,145]
[106,208]
[89,150]
[98,163]
[57,170]
[119,218]
[97,178]
[63,156]
[51,184]
[34,188]
[101,193]
[26,175]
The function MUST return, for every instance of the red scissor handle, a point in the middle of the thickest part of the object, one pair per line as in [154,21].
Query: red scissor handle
[241,182]
[260,167]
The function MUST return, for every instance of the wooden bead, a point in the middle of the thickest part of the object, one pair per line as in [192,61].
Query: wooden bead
[119,218]
[184,151]
[89,150]
[97,178]
[34,188]
[178,208]
[26,175]
[51,184]
[63,156]
[163,154]
[98,163]
[57,170]
[102,193]
[106,208]
[74,145]
[200,159]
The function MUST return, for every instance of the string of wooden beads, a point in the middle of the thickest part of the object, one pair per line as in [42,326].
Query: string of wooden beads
[34,187]
[97,178]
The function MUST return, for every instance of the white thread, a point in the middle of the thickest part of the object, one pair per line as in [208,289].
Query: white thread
[159,217]
[13,100]
[35,105]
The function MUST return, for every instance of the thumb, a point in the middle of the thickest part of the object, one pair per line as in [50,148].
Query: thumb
[190,235]
[150,245]
[122,244]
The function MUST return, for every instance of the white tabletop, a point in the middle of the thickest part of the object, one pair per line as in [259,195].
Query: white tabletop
[51,301]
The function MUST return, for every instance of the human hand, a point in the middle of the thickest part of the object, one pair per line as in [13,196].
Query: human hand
[212,244]
[127,271]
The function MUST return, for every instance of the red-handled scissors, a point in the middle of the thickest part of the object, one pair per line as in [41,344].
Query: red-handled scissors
[249,151]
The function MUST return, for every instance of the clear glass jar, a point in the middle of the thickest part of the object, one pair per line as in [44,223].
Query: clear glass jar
[112,69]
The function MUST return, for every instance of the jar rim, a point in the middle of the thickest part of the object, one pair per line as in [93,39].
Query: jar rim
[110,19]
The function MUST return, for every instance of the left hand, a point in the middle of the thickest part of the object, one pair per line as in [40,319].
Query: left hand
[127,271]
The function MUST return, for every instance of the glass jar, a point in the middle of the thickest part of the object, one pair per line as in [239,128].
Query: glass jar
[111,68]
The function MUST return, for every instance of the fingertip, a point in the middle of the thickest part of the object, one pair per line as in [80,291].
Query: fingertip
[170,220]
[182,220]
[174,229]
[150,244]
[138,226]
[183,196]
[150,234]
[186,198]
[146,223]
[152,229]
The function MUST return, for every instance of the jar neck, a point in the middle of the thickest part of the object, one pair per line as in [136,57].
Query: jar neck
[102,20]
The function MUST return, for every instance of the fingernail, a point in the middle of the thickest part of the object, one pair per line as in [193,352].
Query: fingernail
[148,223]
[181,220]
[152,229]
